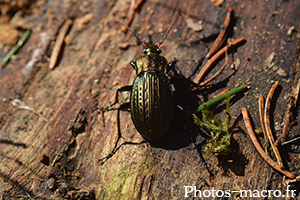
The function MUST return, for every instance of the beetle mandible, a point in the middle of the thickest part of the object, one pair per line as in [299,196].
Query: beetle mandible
[151,102]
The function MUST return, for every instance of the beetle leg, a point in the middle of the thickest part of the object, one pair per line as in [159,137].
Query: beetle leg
[120,89]
[133,64]
[189,128]
[172,64]
[124,106]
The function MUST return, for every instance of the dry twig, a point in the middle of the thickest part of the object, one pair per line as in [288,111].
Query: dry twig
[267,124]
[21,105]
[216,57]
[260,150]
[59,41]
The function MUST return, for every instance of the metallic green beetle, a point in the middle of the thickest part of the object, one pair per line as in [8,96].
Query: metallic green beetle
[151,103]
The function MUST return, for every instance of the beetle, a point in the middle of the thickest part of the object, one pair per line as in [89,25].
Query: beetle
[151,102]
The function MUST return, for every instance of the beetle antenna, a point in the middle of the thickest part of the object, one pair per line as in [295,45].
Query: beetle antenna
[140,41]
[159,44]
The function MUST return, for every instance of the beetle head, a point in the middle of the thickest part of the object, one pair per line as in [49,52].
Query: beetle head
[151,49]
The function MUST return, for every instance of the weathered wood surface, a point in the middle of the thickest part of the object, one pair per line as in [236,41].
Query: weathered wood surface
[94,65]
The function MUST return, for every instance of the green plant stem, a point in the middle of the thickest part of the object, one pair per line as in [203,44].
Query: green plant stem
[219,98]
[16,47]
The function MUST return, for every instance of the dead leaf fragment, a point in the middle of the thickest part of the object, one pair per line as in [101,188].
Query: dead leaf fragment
[103,95]
[290,31]
[217,2]
[84,20]
[280,71]
[236,64]
[270,59]
[198,26]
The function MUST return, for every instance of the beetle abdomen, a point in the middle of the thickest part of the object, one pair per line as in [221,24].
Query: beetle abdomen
[152,105]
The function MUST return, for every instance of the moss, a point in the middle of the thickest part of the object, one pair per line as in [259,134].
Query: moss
[126,179]
[221,136]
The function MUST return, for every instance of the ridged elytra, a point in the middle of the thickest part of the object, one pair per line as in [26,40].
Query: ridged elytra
[151,102]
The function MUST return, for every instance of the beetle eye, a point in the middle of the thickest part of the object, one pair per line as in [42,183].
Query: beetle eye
[145,51]
[158,51]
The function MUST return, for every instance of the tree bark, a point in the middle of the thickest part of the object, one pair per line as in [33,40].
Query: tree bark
[58,159]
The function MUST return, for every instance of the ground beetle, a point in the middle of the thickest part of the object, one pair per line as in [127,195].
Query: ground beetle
[151,102]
